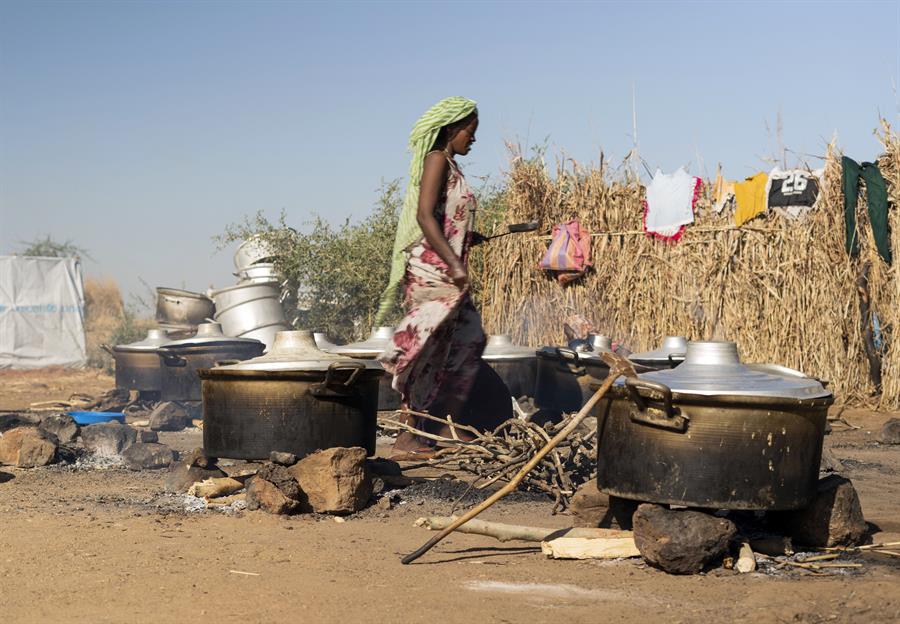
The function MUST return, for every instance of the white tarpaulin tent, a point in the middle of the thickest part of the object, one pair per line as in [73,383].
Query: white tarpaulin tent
[41,312]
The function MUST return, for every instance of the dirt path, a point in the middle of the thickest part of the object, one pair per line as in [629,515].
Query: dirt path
[109,546]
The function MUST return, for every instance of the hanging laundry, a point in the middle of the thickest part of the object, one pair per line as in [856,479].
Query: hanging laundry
[669,206]
[723,192]
[750,198]
[794,192]
[876,193]
[569,254]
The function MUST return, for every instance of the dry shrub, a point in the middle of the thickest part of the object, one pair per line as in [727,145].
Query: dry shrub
[107,321]
[785,290]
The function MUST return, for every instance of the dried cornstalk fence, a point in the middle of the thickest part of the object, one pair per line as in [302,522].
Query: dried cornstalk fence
[785,290]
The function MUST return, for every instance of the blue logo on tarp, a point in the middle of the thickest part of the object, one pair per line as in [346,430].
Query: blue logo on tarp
[45,308]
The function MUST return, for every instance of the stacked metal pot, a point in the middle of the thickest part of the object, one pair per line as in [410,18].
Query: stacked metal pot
[718,434]
[179,312]
[252,308]
[296,399]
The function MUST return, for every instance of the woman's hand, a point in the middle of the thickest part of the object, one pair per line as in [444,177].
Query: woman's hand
[458,275]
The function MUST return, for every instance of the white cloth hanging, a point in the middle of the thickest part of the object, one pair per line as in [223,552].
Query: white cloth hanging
[670,203]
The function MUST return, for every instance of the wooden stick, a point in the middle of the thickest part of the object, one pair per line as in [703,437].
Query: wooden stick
[590,548]
[618,365]
[506,532]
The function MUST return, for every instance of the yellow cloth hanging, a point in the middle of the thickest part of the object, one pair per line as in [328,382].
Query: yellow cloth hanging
[750,196]
[722,192]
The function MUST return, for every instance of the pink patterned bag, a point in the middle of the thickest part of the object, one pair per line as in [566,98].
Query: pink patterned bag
[569,254]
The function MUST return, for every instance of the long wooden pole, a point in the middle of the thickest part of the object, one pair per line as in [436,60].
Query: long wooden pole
[617,370]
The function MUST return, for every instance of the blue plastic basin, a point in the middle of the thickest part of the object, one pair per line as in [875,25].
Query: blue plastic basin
[92,418]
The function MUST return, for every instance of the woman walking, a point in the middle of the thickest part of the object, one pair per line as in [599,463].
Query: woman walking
[436,352]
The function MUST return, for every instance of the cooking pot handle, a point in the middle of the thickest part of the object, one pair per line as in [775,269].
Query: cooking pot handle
[332,387]
[226,362]
[570,358]
[171,359]
[645,414]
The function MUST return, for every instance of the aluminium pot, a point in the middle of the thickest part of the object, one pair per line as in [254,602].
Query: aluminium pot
[295,399]
[669,354]
[564,376]
[252,251]
[258,273]
[516,365]
[137,363]
[251,310]
[712,433]
[180,360]
[369,349]
[182,307]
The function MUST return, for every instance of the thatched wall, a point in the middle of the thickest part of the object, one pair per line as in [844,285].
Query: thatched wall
[784,290]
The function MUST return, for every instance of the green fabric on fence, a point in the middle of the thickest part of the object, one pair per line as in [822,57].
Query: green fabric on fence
[421,139]
[876,193]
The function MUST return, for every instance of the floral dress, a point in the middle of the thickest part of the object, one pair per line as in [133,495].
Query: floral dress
[437,346]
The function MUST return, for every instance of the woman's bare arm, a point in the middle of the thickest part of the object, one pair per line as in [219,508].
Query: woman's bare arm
[433,179]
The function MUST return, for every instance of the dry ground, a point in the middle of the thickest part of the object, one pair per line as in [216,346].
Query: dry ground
[108,546]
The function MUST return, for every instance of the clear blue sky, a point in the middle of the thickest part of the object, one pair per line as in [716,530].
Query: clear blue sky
[140,129]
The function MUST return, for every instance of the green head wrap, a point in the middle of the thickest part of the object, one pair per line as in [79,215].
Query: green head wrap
[421,139]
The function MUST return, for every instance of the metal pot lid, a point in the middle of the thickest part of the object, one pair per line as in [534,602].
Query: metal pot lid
[501,347]
[156,338]
[209,334]
[594,343]
[323,342]
[295,350]
[574,356]
[675,346]
[715,369]
[371,347]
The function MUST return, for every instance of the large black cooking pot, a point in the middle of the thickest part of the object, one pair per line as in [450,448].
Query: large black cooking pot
[295,399]
[516,365]
[181,359]
[564,378]
[369,349]
[712,433]
[137,363]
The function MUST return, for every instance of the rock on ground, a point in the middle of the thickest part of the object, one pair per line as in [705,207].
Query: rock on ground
[265,495]
[109,438]
[384,467]
[148,456]
[169,416]
[183,475]
[13,420]
[199,459]
[890,432]
[62,426]
[834,518]
[27,447]
[593,508]
[146,436]
[335,480]
[281,477]
[282,458]
[680,541]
